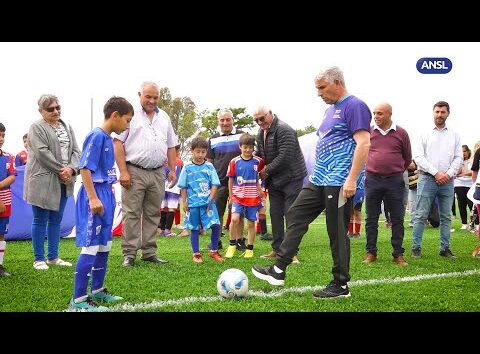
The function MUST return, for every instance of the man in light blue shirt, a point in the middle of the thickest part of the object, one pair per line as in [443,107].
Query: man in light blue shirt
[438,156]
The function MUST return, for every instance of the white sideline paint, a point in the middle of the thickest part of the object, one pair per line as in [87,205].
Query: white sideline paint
[275,293]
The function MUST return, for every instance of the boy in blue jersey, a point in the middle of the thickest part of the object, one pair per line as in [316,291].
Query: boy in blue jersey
[199,182]
[8,174]
[245,193]
[95,208]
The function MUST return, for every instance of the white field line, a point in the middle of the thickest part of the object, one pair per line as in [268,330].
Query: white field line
[281,291]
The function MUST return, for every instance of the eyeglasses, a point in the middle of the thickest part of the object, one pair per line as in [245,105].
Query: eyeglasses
[51,109]
[260,119]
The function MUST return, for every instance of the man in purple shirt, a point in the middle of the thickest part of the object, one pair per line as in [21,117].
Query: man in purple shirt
[389,156]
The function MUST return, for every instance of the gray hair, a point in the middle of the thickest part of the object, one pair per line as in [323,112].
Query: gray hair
[331,74]
[148,83]
[223,112]
[262,110]
[46,100]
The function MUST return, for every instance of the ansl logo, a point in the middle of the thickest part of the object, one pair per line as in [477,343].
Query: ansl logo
[434,65]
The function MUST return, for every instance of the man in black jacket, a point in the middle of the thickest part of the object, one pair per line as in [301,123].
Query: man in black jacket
[277,144]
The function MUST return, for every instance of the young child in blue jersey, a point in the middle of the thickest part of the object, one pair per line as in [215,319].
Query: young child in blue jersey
[245,192]
[355,224]
[8,174]
[95,207]
[198,182]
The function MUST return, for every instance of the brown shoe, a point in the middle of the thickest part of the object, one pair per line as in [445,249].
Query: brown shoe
[476,252]
[370,258]
[269,255]
[400,261]
[295,260]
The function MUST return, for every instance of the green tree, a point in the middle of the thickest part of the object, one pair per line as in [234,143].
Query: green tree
[182,114]
[307,130]
[241,120]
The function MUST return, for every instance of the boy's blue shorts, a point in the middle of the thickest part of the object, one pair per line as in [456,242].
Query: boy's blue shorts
[94,230]
[198,216]
[250,212]
[4,225]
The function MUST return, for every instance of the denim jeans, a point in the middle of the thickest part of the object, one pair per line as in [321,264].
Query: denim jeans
[412,196]
[427,190]
[47,222]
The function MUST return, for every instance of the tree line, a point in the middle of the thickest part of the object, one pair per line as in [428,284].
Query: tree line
[188,122]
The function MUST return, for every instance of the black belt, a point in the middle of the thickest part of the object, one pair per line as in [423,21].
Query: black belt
[141,167]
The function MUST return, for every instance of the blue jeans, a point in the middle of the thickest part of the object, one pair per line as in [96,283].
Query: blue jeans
[47,222]
[427,190]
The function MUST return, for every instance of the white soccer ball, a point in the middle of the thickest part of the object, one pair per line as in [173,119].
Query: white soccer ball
[232,283]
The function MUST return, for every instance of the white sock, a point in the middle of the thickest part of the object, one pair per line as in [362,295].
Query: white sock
[3,245]
[277,270]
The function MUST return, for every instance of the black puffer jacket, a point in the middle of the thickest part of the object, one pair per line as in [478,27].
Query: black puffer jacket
[282,154]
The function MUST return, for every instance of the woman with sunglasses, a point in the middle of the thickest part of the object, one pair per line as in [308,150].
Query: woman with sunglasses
[49,178]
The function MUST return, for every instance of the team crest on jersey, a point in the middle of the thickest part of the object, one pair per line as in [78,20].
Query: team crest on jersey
[336,115]
[239,180]
[255,167]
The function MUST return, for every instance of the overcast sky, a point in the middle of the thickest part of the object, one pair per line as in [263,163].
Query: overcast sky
[213,75]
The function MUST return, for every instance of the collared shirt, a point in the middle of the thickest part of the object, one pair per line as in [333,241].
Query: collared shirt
[146,142]
[385,132]
[439,150]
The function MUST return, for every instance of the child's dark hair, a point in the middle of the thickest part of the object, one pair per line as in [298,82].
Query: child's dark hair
[177,147]
[246,139]
[117,104]
[199,142]
[2,128]
[25,136]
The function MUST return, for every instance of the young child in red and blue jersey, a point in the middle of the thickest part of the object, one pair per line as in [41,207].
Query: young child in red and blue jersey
[22,156]
[246,194]
[95,208]
[8,174]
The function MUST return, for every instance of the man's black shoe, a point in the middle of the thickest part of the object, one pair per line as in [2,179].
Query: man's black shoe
[269,274]
[266,237]
[416,253]
[447,253]
[241,246]
[3,272]
[333,290]
[155,259]
[128,262]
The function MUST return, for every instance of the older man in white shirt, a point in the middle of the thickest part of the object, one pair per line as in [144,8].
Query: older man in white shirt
[140,153]
[438,156]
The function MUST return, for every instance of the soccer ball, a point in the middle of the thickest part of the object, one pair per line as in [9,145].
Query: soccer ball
[232,283]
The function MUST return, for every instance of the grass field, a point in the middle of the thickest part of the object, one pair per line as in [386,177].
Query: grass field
[431,283]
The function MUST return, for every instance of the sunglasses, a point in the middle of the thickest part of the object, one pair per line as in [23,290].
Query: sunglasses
[260,119]
[51,109]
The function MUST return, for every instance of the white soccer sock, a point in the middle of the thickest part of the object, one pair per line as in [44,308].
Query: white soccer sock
[3,245]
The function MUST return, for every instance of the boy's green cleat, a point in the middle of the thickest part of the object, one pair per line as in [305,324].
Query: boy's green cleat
[86,306]
[105,296]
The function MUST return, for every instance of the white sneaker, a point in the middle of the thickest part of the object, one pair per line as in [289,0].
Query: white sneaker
[59,262]
[452,230]
[464,227]
[40,265]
